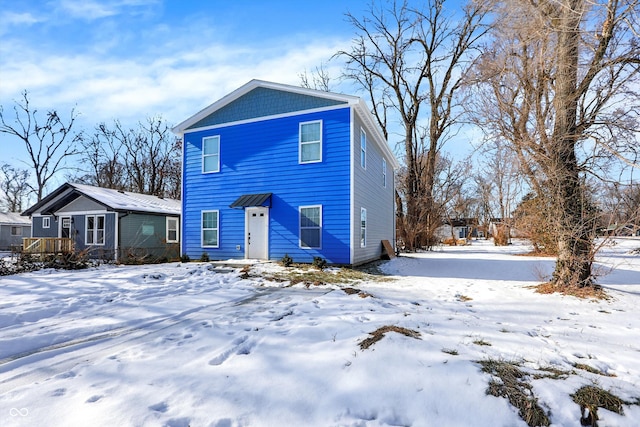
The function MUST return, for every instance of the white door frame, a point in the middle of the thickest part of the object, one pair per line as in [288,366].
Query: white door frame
[265,245]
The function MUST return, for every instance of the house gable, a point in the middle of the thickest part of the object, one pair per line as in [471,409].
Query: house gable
[264,102]
[82,204]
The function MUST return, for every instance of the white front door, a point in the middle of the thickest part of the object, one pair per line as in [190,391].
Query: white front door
[257,233]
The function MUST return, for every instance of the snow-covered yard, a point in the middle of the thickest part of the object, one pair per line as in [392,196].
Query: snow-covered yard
[199,345]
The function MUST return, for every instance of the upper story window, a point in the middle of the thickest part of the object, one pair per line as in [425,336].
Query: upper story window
[172,230]
[310,142]
[384,173]
[211,154]
[46,222]
[363,149]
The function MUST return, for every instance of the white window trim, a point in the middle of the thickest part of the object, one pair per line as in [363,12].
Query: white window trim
[217,170]
[300,227]
[95,229]
[363,152]
[46,222]
[363,230]
[384,173]
[202,229]
[300,143]
[177,220]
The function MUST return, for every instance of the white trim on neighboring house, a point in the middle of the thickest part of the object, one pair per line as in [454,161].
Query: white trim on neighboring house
[94,212]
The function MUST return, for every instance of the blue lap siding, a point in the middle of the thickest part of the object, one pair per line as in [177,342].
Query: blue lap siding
[262,157]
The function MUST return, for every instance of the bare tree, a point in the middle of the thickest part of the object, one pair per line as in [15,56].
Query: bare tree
[559,86]
[410,64]
[104,166]
[49,142]
[13,184]
[144,159]
[319,80]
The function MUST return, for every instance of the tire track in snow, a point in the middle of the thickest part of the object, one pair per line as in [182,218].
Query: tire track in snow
[67,355]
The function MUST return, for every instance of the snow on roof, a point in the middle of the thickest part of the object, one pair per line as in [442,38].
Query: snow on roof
[127,201]
[13,218]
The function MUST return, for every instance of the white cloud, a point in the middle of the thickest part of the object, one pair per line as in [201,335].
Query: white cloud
[93,9]
[176,85]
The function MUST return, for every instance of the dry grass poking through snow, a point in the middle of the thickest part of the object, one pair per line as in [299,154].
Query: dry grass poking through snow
[595,292]
[511,383]
[379,333]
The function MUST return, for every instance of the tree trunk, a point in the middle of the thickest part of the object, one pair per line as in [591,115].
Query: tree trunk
[573,266]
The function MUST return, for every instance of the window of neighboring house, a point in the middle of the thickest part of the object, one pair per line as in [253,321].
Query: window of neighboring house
[310,227]
[94,230]
[310,142]
[16,231]
[363,149]
[210,229]
[384,173]
[211,154]
[46,222]
[172,230]
[363,227]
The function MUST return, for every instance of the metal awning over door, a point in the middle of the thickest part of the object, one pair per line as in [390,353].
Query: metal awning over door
[251,200]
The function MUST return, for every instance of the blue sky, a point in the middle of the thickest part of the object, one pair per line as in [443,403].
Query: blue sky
[131,59]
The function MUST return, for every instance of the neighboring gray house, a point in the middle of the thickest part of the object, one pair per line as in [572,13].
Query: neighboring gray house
[109,224]
[13,227]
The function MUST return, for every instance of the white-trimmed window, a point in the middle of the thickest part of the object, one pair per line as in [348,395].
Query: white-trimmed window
[363,149]
[384,173]
[363,228]
[94,229]
[46,222]
[211,154]
[310,138]
[16,230]
[311,227]
[172,230]
[210,229]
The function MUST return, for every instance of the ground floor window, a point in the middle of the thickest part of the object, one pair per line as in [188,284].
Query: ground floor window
[172,230]
[210,229]
[16,231]
[363,227]
[94,230]
[311,226]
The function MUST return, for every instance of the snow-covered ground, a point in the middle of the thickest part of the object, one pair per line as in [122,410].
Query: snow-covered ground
[198,345]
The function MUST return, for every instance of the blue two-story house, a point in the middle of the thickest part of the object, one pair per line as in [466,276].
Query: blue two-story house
[272,170]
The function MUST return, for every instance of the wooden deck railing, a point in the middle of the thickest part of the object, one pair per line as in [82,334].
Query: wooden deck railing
[47,245]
